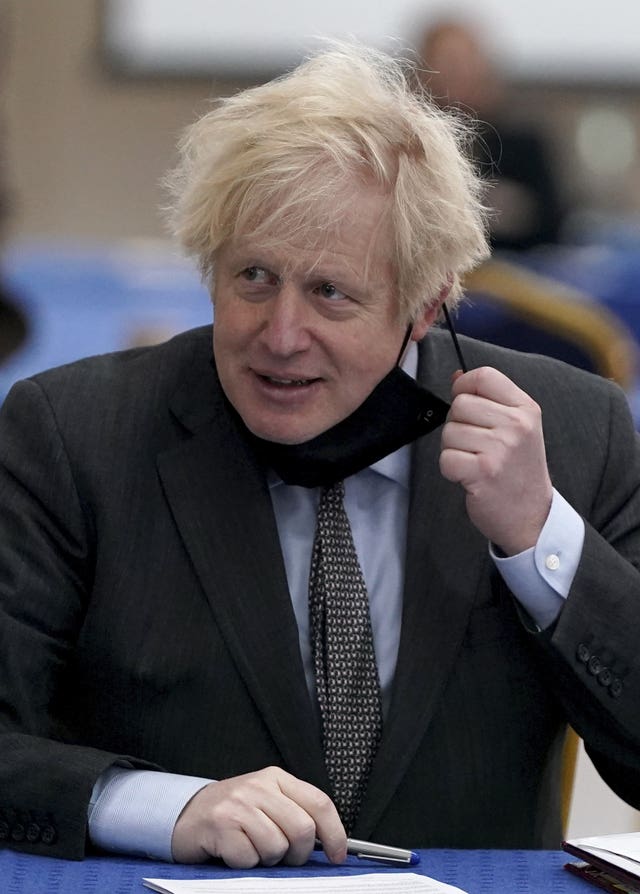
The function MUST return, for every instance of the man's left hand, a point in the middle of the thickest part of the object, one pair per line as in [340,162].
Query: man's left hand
[492,444]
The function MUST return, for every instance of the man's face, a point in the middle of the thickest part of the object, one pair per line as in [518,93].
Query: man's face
[304,331]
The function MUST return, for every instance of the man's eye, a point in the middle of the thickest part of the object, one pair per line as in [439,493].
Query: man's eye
[256,274]
[328,290]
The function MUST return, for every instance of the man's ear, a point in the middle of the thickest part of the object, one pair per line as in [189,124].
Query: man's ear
[429,314]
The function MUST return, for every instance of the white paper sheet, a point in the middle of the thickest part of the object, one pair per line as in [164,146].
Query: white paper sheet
[622,850]
[388,883]
[626,844]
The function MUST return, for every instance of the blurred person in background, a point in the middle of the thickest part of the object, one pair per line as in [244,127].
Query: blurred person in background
[459,72]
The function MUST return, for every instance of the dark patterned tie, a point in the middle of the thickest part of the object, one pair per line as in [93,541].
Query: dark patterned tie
[344,659]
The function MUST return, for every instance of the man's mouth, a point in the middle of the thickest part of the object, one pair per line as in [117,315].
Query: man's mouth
[287,383]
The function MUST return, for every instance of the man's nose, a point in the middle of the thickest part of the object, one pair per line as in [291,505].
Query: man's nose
[286,326]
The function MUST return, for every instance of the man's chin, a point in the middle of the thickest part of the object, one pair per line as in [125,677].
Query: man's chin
[278,437]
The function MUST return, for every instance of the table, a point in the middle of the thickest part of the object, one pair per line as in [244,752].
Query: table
[477,872]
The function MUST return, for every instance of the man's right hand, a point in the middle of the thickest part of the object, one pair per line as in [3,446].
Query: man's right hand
[263,817]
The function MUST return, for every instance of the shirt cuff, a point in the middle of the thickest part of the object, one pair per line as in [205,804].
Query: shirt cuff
[541,577]
[135,811]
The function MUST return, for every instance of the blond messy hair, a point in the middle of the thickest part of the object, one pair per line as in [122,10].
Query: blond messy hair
[283,153]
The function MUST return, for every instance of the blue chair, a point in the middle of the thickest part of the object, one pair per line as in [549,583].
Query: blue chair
[509,305]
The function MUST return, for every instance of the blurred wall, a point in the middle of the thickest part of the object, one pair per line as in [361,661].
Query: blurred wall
[594,132]
[87,149]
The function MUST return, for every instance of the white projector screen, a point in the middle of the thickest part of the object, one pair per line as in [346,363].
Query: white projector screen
[559,40]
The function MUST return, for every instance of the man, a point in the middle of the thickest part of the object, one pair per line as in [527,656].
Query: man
[173,682]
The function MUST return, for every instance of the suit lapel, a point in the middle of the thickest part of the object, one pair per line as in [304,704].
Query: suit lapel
[445,560]
[221,505]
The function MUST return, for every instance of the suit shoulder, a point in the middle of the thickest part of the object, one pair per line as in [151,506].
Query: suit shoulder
[540,374]
[120,391]
[578,407]
[537,374]
[135,368]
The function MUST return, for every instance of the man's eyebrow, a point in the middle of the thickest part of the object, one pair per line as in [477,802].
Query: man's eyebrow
[249,257]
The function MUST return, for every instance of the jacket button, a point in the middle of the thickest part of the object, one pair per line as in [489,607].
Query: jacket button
[17,832]
[615,689]
[595,665]
[605,677]
[583,653]
[49,835]
[33,832]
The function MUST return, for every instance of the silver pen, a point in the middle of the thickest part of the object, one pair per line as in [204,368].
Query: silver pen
[368,850]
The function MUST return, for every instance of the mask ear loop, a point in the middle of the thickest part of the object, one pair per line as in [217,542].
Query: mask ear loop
[405,342]
[456,343]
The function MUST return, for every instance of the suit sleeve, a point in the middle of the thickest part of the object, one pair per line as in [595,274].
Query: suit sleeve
[46,548]
[594,647]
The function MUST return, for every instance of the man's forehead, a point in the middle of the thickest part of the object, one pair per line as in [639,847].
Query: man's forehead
[351,227]
[312,254]
[314,207]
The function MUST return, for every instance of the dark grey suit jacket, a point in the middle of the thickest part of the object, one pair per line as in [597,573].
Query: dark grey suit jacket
[144,610]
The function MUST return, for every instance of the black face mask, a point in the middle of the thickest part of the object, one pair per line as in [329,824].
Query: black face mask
[397,412]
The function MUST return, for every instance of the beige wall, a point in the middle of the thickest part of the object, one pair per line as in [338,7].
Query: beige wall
[86,150]
[595,810]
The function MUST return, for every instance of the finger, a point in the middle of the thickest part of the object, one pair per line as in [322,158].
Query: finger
[321,809]
[460,467]
[268,840]
[287,833]
[492,384]
[481,411]
[468,438]
[237,850]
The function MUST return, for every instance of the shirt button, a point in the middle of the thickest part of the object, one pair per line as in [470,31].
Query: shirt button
[552,562]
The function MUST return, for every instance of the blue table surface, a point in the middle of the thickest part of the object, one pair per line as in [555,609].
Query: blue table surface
[476,872]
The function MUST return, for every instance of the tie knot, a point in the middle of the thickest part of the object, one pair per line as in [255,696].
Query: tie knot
[333,493]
